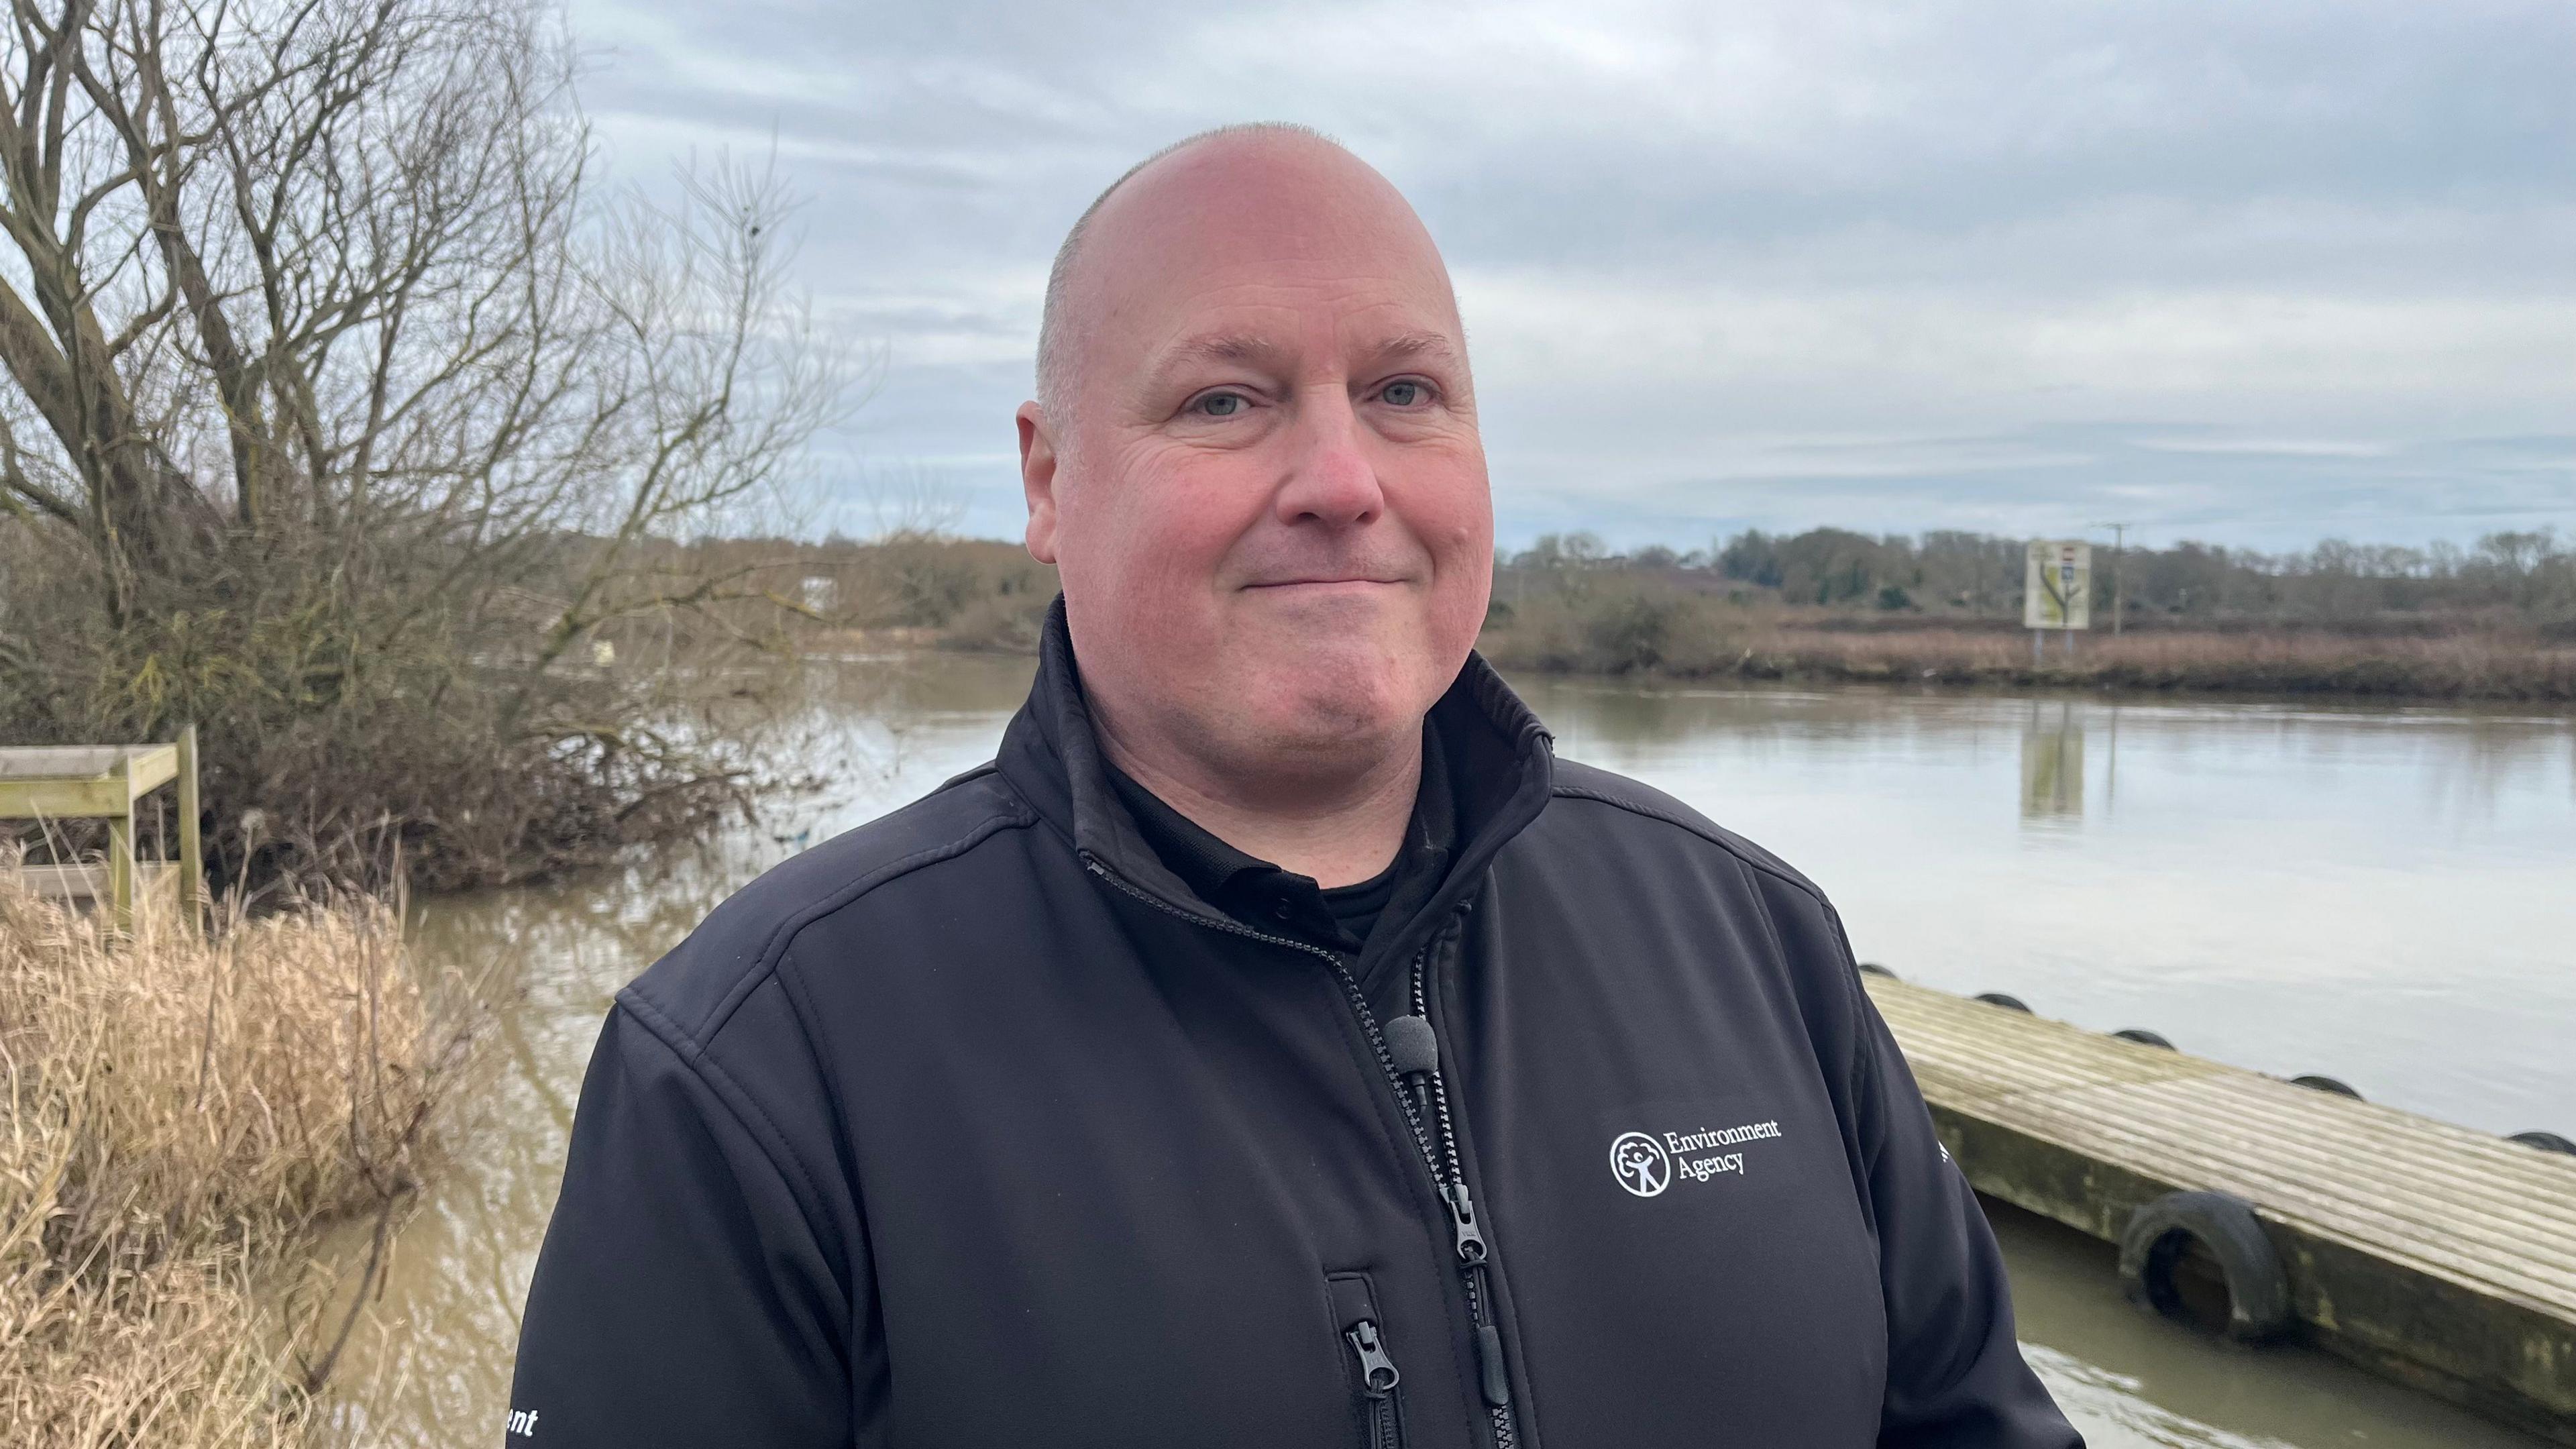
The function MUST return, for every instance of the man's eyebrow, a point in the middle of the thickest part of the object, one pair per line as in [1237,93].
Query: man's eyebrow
[1255,351]
[1214,347]
[1431,346]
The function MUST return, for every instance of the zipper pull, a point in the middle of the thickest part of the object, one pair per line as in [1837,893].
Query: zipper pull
[1377,1371]
[1462,1219]
[1496,1383]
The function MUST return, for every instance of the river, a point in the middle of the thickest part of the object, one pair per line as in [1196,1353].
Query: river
[2384,894]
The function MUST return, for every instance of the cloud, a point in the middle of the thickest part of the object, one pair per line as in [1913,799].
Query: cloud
[2270,447]
[2262,272]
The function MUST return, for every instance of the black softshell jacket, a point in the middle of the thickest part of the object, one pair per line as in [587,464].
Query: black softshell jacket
[973,1127]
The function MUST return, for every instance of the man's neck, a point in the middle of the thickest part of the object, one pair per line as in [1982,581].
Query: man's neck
[1340,828]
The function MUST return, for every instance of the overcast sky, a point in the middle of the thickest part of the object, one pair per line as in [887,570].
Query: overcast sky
[2253,273]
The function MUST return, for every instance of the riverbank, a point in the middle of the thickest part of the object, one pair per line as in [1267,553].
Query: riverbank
[181,1121]
[2485,665]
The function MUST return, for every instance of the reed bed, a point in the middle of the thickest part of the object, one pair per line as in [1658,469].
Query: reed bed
[1667,633]
[180,1121]
[2470,666]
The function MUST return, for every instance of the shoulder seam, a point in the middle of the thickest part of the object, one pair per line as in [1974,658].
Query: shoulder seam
[1638,807]
[746,1109]
[1856,994]
[776,944]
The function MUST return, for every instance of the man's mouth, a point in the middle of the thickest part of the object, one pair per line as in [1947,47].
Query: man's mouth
[1325,583]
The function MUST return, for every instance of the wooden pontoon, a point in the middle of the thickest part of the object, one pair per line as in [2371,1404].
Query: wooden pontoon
[2430,1254]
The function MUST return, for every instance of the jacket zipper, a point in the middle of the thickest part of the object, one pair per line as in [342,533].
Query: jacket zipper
[1378,1379]
[1446,1172]
[1472,1252]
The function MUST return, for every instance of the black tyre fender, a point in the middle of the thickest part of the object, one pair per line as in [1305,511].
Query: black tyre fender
[2545,1141]
[2144,1037]
[2328,1085]
[2008,1003]
[2258,1288]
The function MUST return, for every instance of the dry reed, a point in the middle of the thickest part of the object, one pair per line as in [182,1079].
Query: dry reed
[179,1118]
[1620,627]
[2468,666]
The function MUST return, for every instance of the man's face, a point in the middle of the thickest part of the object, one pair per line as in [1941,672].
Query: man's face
[1268,504]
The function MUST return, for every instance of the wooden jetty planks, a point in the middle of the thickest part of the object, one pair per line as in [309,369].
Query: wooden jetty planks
[2437,1255]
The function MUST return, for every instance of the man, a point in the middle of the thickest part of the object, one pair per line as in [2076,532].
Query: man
[1275,1045]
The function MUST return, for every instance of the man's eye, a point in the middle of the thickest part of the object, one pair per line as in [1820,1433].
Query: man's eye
[1218,405]
[1404,393]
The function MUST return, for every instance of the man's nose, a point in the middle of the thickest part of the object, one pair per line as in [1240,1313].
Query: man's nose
[1331,478]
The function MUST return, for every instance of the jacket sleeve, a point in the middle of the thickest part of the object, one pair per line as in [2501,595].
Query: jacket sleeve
[1955,1375]
[682,1296]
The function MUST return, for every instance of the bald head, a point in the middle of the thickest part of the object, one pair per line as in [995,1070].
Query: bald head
[1254,157]
[1254,462]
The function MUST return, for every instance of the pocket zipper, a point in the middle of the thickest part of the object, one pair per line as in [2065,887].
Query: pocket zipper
[1378,1379]
[1381,1414]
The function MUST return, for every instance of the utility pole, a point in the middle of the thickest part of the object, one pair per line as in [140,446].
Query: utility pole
[2119,554]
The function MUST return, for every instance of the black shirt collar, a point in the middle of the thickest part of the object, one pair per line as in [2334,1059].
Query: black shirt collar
[1269,898]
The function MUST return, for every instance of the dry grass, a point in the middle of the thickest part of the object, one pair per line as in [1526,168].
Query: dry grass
[1622,627]
[2466,666]
[178,1120]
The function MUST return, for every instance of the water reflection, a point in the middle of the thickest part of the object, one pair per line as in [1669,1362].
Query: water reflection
[2052,763]
[2248,885]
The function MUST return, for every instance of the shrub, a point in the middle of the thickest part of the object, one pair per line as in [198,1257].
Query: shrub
[999,624]
[1630,630]
[423,446]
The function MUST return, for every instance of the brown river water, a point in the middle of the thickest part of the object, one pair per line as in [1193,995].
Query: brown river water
[2385,894]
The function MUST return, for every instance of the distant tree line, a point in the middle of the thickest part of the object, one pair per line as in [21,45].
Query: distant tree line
[2528,574]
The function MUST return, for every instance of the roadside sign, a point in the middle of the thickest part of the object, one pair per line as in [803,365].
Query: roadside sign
[2057,586]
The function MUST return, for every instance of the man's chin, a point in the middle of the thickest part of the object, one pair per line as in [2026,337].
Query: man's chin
[1357,604]
[1330,693]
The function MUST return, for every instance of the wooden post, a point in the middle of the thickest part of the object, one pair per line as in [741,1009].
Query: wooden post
[120,851]
[2119,558]
[192,855]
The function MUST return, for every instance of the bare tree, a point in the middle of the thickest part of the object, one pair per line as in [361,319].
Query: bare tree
[325,338]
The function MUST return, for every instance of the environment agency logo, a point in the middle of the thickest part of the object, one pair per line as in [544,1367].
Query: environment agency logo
[1639,1162]
[1645,1163]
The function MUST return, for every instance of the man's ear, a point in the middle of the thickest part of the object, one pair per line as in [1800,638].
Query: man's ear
[1037,480]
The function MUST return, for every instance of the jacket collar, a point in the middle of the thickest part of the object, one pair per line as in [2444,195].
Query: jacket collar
[1498,757]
